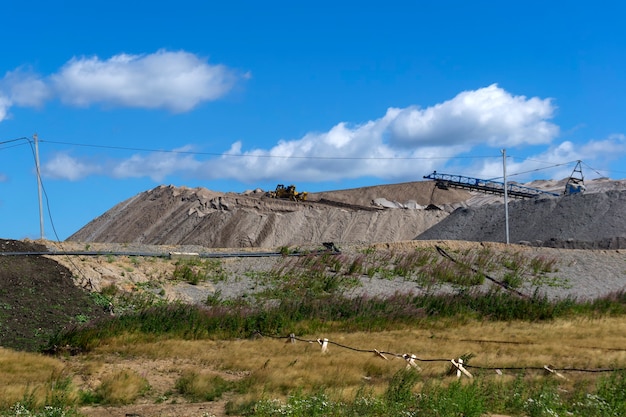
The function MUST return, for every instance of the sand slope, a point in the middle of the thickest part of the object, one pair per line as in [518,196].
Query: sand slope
[168,215]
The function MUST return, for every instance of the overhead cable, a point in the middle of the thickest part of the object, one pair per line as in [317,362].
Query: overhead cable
[240,155]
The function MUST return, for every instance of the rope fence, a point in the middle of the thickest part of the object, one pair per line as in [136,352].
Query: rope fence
[458,364]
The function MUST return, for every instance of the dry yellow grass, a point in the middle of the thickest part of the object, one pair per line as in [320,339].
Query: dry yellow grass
[275,367]
[122,387]
[122,369]
[28,375]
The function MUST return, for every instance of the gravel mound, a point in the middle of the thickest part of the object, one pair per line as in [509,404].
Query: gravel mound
[580,221]
[169,215]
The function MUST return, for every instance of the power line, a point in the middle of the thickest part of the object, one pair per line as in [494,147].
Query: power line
[28,140]
[308,157]
[593,169]
[126,148]
[56,235]
[312,157]
[14,140]
[536,169]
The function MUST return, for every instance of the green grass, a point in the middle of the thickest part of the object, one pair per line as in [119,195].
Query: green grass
[329,312]
[195,271]
[521,397]
[198,387]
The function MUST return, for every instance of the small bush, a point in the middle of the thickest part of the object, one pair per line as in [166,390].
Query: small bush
[202,387]
[456,399]
[122,387]
[195,271]
[400,390]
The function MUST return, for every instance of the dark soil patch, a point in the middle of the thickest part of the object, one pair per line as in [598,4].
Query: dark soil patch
[37,298]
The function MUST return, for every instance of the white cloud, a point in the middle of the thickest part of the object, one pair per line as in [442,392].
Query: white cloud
[177,81]
[66,167]
[403,144]
[595,153]
[372,149]
[556,161]
[25,88]
[5,104]
[156,166]
[21,88]
[488,115]
[610,148]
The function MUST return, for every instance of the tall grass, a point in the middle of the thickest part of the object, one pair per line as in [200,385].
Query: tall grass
[119,388]
[310,315]
[197,386]
[522,396]
[33,380]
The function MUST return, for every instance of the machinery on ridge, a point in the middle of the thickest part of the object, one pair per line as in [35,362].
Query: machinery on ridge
[575,185]
[288,193]
[576,182]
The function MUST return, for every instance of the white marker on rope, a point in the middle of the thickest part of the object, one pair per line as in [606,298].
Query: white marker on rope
[552,371]
[377,353]
[460,369]
[324,344]
[410,361]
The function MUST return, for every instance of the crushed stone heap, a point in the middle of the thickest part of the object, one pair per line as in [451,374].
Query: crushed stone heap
[579,221]
[169,215]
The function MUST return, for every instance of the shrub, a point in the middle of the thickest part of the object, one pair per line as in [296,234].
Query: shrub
[202,387]
[122,387]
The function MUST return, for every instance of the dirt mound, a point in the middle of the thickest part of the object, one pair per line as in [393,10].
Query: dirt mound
[169,215]
[422,192]
[37,297]
[583,221]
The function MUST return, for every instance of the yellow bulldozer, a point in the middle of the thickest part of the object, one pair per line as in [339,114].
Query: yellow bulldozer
[288,193]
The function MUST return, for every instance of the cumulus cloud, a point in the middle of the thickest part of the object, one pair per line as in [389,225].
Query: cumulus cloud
[400,145]
[25,88]
[376,149]
[594,153]
[155,165]
[174,80]
[488,115]
[177,81]
[66,167]
[21,88]
[403,142]
[5,104]
[558,160]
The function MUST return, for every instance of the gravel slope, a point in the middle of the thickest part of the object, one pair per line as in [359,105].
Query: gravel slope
[584,221]
[169,215]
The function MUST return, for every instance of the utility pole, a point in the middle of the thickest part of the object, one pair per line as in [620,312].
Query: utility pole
[36,140]
[506,197]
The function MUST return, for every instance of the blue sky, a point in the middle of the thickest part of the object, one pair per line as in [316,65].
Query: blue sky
[126,96]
